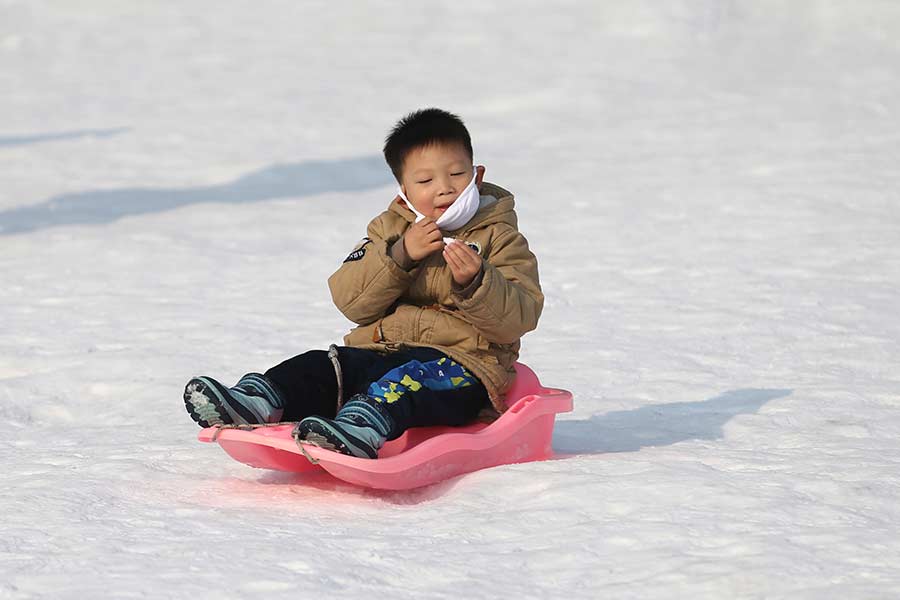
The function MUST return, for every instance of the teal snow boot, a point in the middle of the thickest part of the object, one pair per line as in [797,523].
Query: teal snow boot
[253,400]
[360,428]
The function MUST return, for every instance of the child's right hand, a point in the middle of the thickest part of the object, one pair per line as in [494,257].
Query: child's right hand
[423,238]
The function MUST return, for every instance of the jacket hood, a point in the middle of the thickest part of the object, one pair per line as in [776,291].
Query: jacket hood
[496,206]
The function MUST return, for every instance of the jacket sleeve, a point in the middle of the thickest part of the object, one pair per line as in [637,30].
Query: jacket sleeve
[508,302]
[369,281]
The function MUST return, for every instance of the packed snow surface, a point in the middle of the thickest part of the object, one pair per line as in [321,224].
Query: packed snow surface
[710,187]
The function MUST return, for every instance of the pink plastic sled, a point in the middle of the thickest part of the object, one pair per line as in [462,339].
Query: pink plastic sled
[421,456]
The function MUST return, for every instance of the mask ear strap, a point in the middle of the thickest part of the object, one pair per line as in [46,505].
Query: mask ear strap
[419,216]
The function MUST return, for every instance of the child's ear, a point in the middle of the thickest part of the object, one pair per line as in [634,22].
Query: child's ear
[479,176]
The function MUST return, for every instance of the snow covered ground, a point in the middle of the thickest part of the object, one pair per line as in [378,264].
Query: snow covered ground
[710,187]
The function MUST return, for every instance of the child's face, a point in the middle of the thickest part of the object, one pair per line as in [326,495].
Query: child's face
[435,175]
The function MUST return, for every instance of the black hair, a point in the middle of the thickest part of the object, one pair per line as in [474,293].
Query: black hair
[423,128]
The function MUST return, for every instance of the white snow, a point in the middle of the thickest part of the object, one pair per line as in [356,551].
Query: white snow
[710,187]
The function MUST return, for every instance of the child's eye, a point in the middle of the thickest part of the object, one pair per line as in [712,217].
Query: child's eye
[457,174]
[424,181]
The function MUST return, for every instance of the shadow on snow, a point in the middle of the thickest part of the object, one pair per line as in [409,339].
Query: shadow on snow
[659,424]
[24,140]
[277,181]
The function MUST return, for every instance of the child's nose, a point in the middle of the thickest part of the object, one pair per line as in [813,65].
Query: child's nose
[446,186]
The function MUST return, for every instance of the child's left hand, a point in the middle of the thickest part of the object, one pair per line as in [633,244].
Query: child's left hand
[464,262]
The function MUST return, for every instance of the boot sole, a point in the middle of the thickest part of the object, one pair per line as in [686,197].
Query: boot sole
[320,432]
[208,403]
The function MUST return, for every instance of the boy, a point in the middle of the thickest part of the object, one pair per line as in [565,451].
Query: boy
[442,289]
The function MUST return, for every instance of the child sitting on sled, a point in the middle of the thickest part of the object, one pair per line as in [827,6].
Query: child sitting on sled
[442,288]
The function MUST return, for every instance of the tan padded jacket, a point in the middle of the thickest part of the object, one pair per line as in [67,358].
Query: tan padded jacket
[479,326]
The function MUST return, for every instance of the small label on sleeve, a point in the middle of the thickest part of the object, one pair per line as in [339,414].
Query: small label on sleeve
[359,250]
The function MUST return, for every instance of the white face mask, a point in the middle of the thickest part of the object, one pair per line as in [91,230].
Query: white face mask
[459,213]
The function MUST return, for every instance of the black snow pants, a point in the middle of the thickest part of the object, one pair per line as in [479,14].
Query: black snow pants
[308,384]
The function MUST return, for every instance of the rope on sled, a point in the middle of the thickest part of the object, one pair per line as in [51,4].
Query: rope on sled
[312,460]
[252,426]
[246,427]
[335,360]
